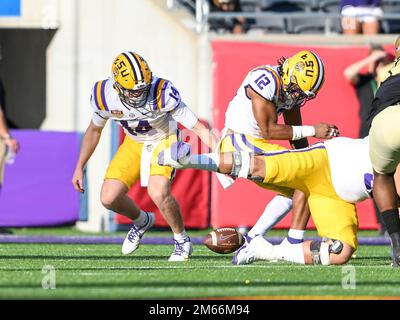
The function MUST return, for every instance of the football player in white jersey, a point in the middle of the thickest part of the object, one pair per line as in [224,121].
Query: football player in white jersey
[333,175]
[148,109]
[351,177]
[252,116]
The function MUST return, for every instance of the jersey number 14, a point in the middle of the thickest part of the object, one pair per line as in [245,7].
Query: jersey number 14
[142,128]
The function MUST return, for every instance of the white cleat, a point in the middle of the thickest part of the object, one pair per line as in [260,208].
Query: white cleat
[285,243]
[176,156]
[243,255]
[280,250]
[254,249]
[182,251]
[132,239]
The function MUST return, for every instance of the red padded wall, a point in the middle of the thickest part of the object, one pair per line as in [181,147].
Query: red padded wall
[190,187]
[337,103]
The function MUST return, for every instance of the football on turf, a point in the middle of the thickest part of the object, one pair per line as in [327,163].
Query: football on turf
[224,240]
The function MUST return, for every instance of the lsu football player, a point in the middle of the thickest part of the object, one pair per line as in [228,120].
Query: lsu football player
[333,175]
[148,108]
[267,92]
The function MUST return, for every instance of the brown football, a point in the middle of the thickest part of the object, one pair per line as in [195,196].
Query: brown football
[223,240]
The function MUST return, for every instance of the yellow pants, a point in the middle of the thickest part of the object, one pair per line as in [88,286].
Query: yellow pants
[125,165]
[308,171]
[245,142]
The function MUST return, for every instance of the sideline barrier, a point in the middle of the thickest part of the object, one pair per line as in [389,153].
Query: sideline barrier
[37,188]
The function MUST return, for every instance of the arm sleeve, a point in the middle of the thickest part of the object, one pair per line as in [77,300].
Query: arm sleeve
[184,116]
[264,82]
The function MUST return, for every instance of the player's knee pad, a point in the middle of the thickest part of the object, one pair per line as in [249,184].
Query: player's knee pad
[241,165]
[320,251]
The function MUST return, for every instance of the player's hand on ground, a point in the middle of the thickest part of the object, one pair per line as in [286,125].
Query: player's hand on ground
[326,131]
[77,180]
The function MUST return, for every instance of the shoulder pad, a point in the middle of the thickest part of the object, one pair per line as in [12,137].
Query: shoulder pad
[99,95]
[164,96]
[266,82]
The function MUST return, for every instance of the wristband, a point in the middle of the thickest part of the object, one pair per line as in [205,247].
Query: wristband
[300,132]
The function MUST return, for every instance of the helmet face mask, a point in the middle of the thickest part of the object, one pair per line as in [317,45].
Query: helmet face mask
[293,96]
[133,98]
[132,79]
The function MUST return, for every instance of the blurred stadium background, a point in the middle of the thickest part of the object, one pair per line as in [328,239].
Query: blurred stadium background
[52,52]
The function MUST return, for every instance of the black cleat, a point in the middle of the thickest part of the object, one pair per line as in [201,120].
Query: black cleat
[395,239]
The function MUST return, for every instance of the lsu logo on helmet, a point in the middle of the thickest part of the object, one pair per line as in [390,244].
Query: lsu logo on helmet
[306,70]
[132,78]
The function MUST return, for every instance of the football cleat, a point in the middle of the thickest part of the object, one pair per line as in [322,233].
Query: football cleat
[132,239]
[243,255]
[395,240]
[182,251]
[280,250]
[176,156]
[254,249]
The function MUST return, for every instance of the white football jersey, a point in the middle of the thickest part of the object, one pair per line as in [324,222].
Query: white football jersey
[153,122]
[350,167]
[266,82]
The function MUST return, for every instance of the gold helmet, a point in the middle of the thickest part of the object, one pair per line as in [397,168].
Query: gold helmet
[302,77]
[132,78]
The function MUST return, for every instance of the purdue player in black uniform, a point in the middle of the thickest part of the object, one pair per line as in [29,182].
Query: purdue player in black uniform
[384,142]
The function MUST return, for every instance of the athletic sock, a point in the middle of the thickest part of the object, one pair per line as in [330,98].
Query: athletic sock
[142,220]
[205,161]
[296,236]
[181,237]
[274,212]
[391,220]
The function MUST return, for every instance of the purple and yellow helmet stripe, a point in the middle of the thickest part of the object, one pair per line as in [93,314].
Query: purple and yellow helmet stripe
[134,62]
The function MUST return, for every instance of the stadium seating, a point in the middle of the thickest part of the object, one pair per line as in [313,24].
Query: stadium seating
[269,25]
[391,25]
[305,25]
[320,16]
[329,6]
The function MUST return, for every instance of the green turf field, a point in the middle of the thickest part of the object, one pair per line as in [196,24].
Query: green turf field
[101,272]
